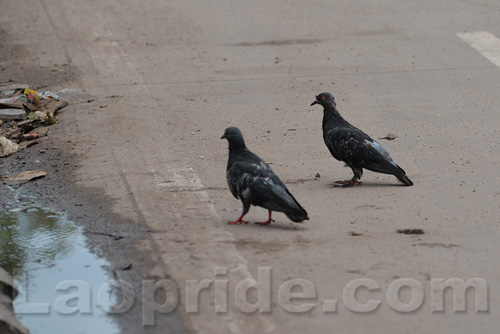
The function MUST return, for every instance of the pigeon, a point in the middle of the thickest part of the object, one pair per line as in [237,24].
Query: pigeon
[354,147]
[251,180]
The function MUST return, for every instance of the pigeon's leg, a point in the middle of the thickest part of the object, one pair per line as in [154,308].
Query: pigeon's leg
[246,207]
[358,172]
[239,220]
[347,183]
[268,221]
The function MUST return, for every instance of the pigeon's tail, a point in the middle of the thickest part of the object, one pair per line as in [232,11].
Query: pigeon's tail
[389,167]
[294,211]
[283,201]
[297,216]
[404,179]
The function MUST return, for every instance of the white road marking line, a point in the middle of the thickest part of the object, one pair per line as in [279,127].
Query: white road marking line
[485,43]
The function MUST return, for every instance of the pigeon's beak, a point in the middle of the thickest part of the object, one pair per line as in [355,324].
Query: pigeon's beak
[315,102]
[223,136]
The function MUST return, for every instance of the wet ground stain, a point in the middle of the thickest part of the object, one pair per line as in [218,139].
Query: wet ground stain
[47,255]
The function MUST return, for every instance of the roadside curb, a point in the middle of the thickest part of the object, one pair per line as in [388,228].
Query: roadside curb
[9,324]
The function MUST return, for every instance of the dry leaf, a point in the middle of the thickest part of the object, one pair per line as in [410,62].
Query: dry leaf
[390,136]
[24,177]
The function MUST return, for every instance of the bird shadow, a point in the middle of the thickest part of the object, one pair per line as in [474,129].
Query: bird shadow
[282,227]
[364,185]
[277,226]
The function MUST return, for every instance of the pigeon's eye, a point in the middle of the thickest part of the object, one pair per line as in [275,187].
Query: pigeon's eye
[323,98]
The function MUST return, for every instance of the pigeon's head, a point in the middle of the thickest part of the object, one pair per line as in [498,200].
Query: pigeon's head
[234,137]
[325,99]
[231,133]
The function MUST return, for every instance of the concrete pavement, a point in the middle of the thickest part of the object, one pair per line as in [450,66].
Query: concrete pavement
[175,74]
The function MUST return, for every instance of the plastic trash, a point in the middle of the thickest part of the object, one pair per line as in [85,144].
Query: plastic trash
[11,100]
[7,147]
[11,114]
[31,95]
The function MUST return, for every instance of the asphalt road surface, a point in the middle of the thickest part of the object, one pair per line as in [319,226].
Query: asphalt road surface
[172,75]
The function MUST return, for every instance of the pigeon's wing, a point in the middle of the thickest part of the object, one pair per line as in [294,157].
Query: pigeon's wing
[271,193]
[242,172]
[384,164]
[345,142]
[356,148]
[280,199]
[255,182]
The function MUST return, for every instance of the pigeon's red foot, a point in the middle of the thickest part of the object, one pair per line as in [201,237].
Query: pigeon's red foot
[346,183]
[239,220]
[267,222]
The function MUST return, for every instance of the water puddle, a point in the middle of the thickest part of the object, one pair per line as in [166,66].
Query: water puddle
[61,284]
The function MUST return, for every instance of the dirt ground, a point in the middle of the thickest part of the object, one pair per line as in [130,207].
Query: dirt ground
[145,175]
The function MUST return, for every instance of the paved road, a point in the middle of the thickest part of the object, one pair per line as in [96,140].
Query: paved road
[174,74]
